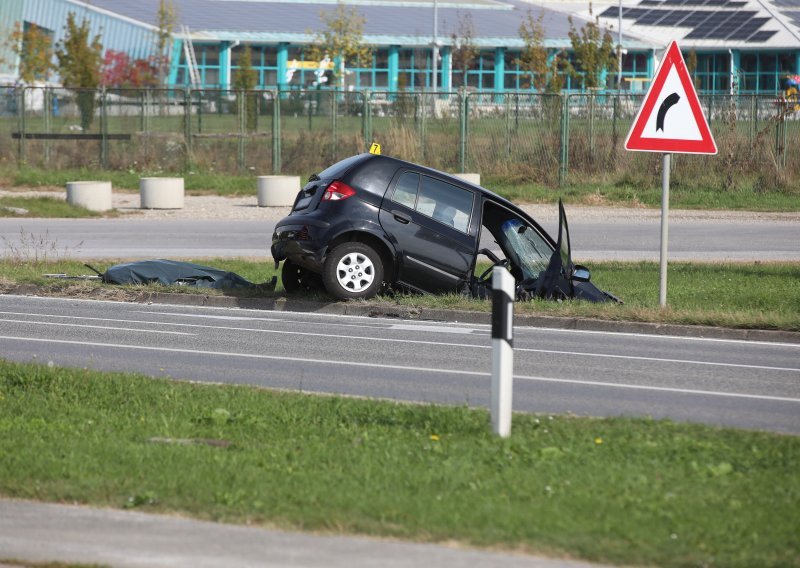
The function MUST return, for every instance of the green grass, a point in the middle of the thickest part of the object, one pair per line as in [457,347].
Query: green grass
[737,295]
[684,194]
[195,183]
[43,207]
[621,490]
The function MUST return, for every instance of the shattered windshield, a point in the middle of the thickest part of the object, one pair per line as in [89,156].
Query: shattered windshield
[532,251]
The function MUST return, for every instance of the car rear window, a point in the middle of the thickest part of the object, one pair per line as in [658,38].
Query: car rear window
[312,189]
[337,170]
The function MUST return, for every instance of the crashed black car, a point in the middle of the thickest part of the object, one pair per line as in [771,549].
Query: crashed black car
[372,221]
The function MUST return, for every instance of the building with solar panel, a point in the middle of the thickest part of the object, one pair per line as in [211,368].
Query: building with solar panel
[745,46]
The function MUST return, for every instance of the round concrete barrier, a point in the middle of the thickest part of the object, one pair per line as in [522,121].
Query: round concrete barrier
[161,193]
[472,178]
[277,191]
[93,195]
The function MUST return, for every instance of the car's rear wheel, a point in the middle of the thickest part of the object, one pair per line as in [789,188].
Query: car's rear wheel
[298,279]
[353,270]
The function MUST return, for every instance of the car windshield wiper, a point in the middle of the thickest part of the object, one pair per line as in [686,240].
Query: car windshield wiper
[314,177]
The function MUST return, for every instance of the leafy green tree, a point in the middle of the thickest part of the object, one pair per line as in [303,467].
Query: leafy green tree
[464,49]
[34,47]
[593,52]
[79,63]
[342,40]
[245,78]
[546,73]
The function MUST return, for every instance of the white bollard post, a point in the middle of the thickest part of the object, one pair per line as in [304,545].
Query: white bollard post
[502,350]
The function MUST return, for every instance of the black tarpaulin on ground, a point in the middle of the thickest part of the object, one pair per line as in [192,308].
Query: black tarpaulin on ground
[171,272]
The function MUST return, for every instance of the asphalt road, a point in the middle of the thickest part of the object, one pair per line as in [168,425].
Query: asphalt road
[744,384]
[628,239]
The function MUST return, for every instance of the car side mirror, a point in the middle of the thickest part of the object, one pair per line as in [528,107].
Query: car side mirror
[581,274]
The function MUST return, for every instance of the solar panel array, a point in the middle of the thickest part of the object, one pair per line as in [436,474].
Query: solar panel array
[708,19]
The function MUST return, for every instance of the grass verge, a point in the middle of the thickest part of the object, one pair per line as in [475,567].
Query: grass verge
[45,207]
[622,491]
[746,296]
[684,194]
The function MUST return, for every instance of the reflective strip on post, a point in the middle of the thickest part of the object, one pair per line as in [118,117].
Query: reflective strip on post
[502,350]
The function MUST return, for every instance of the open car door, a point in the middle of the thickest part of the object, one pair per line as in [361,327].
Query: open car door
[540,269]
[562,279]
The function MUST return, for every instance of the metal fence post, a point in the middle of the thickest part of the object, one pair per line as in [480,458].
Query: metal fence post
[333,125]
[564,157]
[421,113]
[462,137]
[103,128]
[508,125]
[241,109]
[47,110]
[187,122]
[591,127]
[366,119]
[276,132]
[21,118]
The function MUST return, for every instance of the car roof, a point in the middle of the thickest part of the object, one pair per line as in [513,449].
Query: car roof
[450,177]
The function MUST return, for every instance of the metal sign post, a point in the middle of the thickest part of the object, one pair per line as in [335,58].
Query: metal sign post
[662,295]
[670,120]
[502,350]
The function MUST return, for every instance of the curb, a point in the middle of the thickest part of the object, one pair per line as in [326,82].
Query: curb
[364,309]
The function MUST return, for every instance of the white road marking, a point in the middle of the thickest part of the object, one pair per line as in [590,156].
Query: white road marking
[654,336]
[98,326]
[411,341]
[433,328]
[517,329]
[400,368]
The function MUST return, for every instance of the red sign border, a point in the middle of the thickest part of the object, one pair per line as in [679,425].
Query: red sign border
[635,141]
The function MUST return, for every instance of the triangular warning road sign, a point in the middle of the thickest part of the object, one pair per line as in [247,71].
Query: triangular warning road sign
[671,119]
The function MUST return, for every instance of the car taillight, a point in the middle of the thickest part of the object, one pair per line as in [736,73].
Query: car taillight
[337,191]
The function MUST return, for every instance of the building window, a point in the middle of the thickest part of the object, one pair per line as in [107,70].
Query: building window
[480,75]
[264,60]
[764,72]
[413,71]
[207,57]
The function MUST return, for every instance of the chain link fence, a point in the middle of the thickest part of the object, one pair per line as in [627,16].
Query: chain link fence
[530,137]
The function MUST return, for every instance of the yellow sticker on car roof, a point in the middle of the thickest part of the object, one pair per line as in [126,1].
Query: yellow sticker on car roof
[375,148]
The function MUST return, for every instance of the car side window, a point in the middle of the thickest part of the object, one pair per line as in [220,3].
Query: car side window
[405,191]
[445,202]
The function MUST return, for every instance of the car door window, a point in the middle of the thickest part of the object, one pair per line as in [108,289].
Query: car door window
[405,191]
[445,202]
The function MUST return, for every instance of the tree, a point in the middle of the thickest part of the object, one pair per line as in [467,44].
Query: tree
[79,63]
[342,40]
[691,67]
[533,58]
[593,51]
[167,17]
[245,78]
[464,49]
[546,73]
[122,72]
[34,47]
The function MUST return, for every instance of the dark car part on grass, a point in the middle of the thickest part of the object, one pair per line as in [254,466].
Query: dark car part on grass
[175,273]
[371,222]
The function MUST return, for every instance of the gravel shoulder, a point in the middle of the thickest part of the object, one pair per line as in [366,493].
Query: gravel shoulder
[220,207]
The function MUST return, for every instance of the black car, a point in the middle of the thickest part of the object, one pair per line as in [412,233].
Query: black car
[372,221]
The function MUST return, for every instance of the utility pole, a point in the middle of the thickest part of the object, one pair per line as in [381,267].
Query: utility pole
[619,57]
[435,66]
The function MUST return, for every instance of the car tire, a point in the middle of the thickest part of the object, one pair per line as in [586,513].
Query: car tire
[295,278]
[353,270]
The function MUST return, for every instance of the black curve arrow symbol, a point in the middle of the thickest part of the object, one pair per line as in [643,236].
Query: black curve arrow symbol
[668,103]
